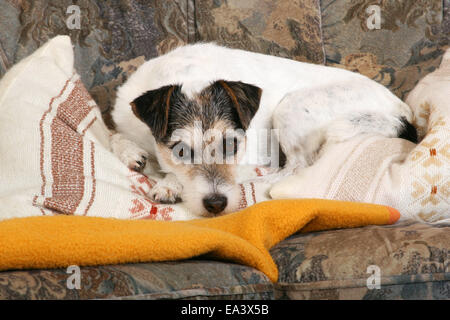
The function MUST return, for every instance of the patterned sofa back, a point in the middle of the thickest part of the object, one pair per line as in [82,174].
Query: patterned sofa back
[396,43]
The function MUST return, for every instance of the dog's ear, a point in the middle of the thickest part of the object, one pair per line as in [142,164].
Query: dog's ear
[245,98]
[153,109]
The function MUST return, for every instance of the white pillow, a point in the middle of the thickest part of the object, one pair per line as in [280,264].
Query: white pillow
[415,179]
[54,148]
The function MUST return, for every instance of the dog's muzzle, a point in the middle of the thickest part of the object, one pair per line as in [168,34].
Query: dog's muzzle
[215,203]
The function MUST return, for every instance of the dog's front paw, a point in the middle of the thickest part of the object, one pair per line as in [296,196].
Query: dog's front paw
[129,153]
[135,159]
[163,192]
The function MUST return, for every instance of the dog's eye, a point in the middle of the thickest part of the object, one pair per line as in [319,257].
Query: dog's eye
[183,152]
[230,146]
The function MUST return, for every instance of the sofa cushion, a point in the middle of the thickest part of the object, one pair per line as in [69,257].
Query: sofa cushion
[114,37]
[62,162]
[407,45]
[413,260]
[193,279]
[285,28]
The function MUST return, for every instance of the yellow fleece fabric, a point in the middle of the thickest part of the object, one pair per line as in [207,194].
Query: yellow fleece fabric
[243,237]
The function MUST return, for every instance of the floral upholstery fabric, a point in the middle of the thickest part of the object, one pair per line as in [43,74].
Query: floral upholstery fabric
[286,28]
[413,259]
[408,45]
[414,262]
[194,279]
[117,36]
[114,38]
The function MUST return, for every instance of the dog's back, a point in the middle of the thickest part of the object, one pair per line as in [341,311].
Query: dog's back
[196,66]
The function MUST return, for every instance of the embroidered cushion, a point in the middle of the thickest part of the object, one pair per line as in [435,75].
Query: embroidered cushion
[55,153]
[415,179]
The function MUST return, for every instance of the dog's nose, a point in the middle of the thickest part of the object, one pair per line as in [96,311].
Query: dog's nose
[215,203]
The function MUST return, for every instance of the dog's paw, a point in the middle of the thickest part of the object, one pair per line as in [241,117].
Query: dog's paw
[163,192]
[135,159]
[129,153]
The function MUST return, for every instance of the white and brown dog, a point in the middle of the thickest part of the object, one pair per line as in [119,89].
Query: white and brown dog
[166,111]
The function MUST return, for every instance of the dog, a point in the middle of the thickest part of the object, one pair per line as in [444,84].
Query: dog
[165,108]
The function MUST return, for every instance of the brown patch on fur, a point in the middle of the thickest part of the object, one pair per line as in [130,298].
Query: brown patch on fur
[230,93]
[421,118]
[227,172]
[203,98]
[245,98]
[223,172]
[166,155]
[133,108]
[167,107]
[152,108]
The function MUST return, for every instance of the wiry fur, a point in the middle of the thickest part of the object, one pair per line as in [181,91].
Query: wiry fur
[311,105]
[224,107]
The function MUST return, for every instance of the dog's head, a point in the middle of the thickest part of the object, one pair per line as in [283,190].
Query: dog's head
[201,139]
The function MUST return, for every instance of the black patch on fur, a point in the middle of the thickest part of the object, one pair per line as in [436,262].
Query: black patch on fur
[166,109]
[281,157]
[244,97]
[153,108]
[408,131]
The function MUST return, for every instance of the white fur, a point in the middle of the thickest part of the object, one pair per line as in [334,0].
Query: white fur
[432,89]
[332,95]
[166,190]
[128,151]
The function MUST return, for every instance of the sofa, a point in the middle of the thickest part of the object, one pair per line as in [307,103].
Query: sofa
[409,260]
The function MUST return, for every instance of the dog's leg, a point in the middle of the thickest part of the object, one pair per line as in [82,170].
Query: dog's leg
[167,189]
[301,133]
[129,152]
[311,120]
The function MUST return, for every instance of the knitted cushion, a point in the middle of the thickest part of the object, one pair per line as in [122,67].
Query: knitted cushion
[415,179]
[55,153]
